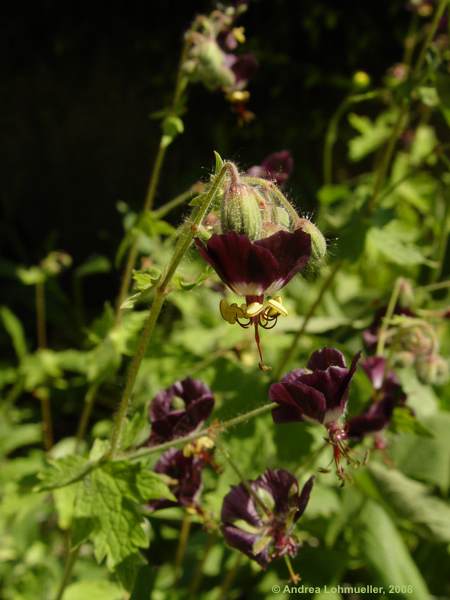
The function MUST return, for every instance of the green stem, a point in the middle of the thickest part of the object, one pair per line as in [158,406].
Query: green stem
[138,454]
[184,241]
[89,402]
[165,209]
[41,330]
[198,575]
[294,577]
[151,189]
[431,33]
[388,316]
[71,558]
[432,287]
[383,166]
[241,477]
[331,135]
[182,544]
[229,578]
[287,357]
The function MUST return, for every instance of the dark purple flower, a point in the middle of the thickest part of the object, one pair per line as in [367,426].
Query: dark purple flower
[186,473]
[277,167]
[388,395]
[243,67]
[180,409]
[256,268]
[317,393]
[260,524]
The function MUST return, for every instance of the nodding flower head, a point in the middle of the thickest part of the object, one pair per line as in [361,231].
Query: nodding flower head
[208,58]
[318,393]
[179,410]
[185,483]
[388,394]
[259,518]
[257,245]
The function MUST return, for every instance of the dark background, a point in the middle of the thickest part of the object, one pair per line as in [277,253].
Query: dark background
[78,89]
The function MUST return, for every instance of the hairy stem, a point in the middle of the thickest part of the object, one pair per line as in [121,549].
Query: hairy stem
[184,241]
[165,209]
[287,357]
[207,431]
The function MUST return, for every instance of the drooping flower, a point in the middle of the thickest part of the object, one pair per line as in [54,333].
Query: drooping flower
[388,395]
[318,393]
[185,473]
[260,524]
[276,167]
[179,410]
[256,269]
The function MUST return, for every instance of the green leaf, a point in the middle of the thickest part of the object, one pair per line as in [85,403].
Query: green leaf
[372,134]
[31,276]
[412,500]
[386,553]
[111,495]
[61,472]
[427,459]
[393,243]
[93,590]
[93,266]
[143,280]
[151,226]
[219,163]
[15,330]
[404,421]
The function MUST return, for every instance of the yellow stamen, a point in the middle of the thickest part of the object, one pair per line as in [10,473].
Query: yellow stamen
[239,34]
[254,309]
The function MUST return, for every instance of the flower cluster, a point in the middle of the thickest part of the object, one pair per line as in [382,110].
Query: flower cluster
[258,517]
[388,395]
[256,246]
[209,57]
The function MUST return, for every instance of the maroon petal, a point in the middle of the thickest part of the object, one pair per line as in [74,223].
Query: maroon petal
[281,485]
[302,400]
[304,497]
[291,252]
[247,268]
[243,541]
[186,471]
[279,166]
[324,358]
[238,505]
[374,367]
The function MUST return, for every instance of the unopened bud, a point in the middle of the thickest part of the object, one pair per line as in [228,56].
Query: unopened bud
[318,242]
[432,369]
[207,63]
[361,80]
[241,210]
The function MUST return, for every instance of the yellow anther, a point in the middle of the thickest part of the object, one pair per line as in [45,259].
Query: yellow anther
[276,307]
[254,309]
[230,313]
[239,34]
[198,446]
[238,96]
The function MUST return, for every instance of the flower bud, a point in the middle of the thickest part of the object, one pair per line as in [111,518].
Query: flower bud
[207,63]
[318,242]
[361,80]
[241,210]
[432,369]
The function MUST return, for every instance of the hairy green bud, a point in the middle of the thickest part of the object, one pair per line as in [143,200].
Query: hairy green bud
[241,210]
[318,242]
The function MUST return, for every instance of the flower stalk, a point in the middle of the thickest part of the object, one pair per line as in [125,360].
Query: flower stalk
[184,241]
[41,330]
